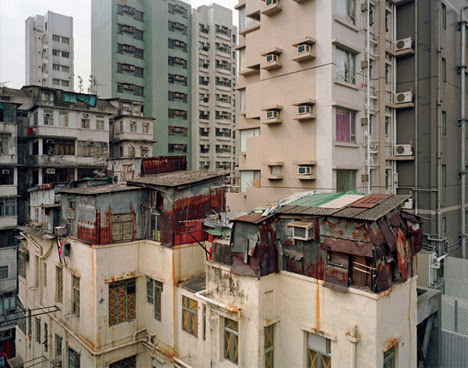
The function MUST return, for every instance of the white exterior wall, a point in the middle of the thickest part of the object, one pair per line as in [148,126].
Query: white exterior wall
[128,139]
[39,50]
[209,16]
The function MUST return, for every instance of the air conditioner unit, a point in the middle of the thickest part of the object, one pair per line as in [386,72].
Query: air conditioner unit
[304,48]
[270,2]
[50,141]
[50,171]
[303,109]
[403,150]
[404,97]
[304,170]
[272,114]
[234,189]
[85,115]
[271,58]
[302,230]
[5,172]
[404,44]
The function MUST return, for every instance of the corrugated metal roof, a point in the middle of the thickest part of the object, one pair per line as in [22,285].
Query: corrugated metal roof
[99,189]
[348,212]
[383,208]
[253,218]
[316,200]
[177,178]
[342,201]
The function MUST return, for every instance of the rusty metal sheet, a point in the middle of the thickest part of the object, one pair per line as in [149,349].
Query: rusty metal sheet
[370,201]
[319,211]
[252,218]
[412,217]
[344,229]
[384,275]
[388,234]
[163,164]
[377,237]
[336,278]
[290,253]
[402,254]
[348,247]
[291,210]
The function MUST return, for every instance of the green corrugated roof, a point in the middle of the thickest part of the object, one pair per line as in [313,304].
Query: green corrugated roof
[319,199]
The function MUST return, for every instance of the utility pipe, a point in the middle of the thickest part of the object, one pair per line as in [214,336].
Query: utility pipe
[215,302]
[416,106]
[368,99]
[462,125]
[353,337]
[438,133]
[171,359]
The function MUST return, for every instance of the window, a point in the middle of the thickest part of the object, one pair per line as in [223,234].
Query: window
[46,337]
[250,179]
[65,40]
[146,127]
[7,304]
[443,72]
[443,122]
[121,151]
[122,227]
[388,73]
[3,272]
[55,52]
[48,117]
[63,119]
[133,126]
[154,290]
[345,180]
[65,83]
[269,346]
[390,358]
[56,67]
[129,362]
[56,82]
[65,69]
[121,127]
[21,317]
[59,284]
[231,340]
[73,358]
[100,124]
[76,295]
[7,207]
[443,16]
[318,351]
[345,66]
[85,123]
[58,347]
[56,38]
[346,9]
[122,301]
[65,54]
[345,126]
[38,329]
[4,144]
[242,96]
[190,316]
[444,175]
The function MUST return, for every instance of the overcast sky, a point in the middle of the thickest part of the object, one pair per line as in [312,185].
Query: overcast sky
[13,14]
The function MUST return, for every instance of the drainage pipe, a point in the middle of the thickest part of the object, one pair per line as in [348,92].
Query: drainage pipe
[438,132]
[353,337]
[416,106]
[216,303]
[462,123]
[368,99]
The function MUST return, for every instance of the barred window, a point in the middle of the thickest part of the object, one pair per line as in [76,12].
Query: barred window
[122,301]
[76,295]
[129,362]
[21,316]
[59,284]
[190,316]
[58,346]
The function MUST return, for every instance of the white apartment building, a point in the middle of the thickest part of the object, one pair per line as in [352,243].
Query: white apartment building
[49,51]
[214,70]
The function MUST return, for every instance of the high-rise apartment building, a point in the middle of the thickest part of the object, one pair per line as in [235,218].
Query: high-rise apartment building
[329,102]
[49,51]
[213,96]
[141,51]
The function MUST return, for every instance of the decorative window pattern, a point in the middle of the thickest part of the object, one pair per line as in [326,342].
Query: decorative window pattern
[318,351]
[76,295]
[122,301]
[190,316]
[122,227]
[231,340]
[269,346]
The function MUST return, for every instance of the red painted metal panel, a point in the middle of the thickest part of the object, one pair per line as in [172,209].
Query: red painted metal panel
[370,201]
[348,247]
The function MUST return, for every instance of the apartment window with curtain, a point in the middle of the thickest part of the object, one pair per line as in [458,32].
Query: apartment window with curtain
[318,351]
[346,9]
[231,340]
[345,126]
[345,66]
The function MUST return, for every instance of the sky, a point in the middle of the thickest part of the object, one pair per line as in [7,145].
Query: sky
[13,14]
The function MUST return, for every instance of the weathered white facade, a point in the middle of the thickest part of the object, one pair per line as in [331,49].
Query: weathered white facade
[50,51]
[214,71]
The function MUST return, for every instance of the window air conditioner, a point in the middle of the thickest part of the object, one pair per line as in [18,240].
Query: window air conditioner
[404,44]
[5,172]
[302,230]
[271,58]
[303,109]
[404,97]
[50,171]
[304,170]
[272,114]
[403,150]
[85,115]
[301,49]
[270,2]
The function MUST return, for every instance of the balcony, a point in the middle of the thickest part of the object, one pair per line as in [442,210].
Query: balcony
[65,161]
